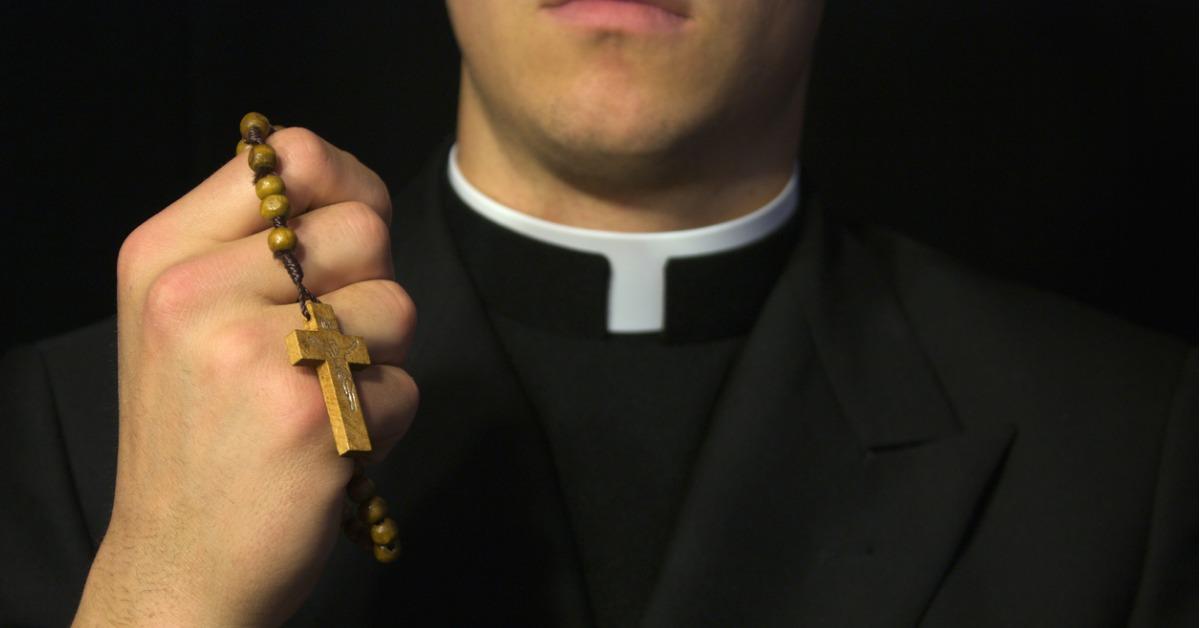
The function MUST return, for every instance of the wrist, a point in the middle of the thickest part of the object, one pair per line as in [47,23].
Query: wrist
[123,591]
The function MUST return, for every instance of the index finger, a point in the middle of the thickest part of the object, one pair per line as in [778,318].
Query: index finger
[315,173]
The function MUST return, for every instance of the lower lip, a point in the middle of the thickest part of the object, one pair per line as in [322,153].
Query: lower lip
[617,15]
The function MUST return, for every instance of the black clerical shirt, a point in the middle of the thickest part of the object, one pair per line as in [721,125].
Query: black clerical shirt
[624,413]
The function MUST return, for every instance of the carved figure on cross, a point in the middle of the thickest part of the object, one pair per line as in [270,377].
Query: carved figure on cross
[323,345]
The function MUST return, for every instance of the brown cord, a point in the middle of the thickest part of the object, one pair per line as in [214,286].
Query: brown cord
[289,260]
[297,275]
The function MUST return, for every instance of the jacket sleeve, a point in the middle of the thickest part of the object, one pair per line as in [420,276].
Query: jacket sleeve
[1167,595]
[45,548]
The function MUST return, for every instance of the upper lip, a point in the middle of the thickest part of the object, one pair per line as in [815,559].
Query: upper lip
[675,7]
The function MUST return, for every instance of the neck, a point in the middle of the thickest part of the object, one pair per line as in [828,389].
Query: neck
[695,187]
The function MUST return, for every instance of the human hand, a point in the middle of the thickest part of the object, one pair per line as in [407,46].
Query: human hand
[229,488]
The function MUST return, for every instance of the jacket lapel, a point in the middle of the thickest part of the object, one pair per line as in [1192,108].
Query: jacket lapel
[836,484]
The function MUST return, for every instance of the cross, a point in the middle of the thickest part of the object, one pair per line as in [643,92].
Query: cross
[321,344]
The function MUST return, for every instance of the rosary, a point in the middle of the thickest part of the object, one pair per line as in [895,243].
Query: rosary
[323,346]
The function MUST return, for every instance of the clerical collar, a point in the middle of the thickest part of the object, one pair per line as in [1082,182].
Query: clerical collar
[689,284]
[638,261]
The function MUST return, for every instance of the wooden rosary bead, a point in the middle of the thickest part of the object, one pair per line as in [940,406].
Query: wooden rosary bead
[255,121]
[387,553]
[241,146]
[360,489]
[373,510]
[274,206]
[384,532]
[353,527]
[268,185]
[277,127]
[262,158]
[281,239]
[357,532]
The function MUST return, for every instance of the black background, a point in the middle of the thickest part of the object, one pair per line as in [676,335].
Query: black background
[1045,141]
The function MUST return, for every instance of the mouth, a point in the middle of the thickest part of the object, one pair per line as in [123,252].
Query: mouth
[631,16]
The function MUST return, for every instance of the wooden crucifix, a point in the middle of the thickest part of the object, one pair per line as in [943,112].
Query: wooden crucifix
[322,344]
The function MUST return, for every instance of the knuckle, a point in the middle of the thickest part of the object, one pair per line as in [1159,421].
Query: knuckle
[135,253]
[411,395]
[365,226]
[405,307]
[299,408]
[132,250]
[376,194]
[172,297]
[235,350]
[400,303]
[382,196]
[395,411]
[412,392]
[303,154]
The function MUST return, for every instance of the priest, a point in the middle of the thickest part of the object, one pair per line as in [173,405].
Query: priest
[658,384]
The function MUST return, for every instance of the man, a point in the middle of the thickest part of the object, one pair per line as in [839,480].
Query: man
[656,386]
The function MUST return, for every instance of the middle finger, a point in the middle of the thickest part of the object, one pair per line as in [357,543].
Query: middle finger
[337,245]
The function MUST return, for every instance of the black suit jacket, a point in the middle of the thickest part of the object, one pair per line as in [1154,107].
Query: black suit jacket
[901,441]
